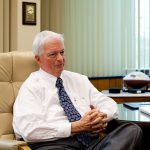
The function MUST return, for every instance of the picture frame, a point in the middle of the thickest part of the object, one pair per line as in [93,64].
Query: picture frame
[28,13]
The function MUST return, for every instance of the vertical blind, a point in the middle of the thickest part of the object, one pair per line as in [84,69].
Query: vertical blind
[102,37]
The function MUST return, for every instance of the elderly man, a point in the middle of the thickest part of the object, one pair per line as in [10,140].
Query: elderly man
[58,109]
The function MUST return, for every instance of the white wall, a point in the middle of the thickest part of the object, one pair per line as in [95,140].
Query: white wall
[24,34]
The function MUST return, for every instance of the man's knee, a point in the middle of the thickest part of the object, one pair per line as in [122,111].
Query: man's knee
[135,129]
[130,135]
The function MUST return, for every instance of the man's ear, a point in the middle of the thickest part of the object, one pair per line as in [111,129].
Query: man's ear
[37,58]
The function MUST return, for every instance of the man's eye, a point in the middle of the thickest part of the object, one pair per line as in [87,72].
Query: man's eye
[51,55]
[62,53]
[55,54]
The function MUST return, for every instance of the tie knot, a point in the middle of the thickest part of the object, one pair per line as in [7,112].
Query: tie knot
[59,82]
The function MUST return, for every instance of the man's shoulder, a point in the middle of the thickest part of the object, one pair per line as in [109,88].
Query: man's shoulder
[31,79]
[73,75]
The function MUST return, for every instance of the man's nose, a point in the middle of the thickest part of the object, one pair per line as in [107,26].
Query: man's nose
[60,56]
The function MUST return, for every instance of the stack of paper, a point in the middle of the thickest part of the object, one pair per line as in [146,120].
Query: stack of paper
[145,109]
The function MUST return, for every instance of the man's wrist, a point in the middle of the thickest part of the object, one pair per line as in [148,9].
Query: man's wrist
[76,127]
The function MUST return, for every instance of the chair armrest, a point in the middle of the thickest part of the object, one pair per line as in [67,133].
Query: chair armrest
[25,147]
[13,145]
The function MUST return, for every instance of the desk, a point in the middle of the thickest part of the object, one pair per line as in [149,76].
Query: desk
[123,97]
[126,114]
[135,116]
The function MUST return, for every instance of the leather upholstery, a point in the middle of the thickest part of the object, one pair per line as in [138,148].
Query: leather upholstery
[15,67]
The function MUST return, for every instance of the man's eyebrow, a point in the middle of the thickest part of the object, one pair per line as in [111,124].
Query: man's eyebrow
[56,51]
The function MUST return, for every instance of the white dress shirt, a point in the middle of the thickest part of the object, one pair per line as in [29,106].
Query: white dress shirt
[38,115]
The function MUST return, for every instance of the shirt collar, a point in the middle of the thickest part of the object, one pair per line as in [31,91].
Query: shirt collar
[48,75]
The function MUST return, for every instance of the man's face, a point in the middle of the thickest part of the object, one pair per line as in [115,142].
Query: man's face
[52,59]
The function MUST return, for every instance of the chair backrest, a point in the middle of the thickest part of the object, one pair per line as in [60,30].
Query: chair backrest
[15,67]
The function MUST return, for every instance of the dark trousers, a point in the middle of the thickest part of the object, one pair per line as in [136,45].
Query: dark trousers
[125,137]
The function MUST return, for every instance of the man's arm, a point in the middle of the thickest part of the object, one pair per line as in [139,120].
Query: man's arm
[32,121]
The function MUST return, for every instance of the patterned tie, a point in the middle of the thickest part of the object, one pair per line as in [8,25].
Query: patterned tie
[70,111]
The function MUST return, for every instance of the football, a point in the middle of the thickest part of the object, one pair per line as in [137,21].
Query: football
[136,80]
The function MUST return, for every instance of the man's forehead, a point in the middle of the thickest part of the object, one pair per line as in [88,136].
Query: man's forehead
[55,41]
[55,44]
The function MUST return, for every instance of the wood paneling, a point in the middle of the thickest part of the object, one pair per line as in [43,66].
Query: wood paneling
[105,84]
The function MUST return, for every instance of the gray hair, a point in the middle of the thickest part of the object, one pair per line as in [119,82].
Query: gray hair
[41,38]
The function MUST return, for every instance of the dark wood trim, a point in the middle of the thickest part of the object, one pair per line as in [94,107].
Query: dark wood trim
[106,77]
[130,99]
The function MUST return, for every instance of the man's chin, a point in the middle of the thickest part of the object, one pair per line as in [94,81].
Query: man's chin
[60,70]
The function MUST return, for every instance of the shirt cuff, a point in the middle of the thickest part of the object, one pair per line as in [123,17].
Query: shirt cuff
[64,130]
[110,115]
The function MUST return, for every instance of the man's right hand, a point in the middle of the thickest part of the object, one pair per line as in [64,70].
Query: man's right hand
[92,121]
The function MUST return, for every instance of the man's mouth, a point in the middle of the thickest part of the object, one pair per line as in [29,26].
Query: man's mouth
[60,65]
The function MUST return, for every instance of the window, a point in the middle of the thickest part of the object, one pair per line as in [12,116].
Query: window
[141,36]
